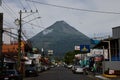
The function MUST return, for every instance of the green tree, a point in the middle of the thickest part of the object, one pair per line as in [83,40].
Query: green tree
[69,56]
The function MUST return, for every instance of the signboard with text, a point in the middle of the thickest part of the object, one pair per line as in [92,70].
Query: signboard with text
[77,47]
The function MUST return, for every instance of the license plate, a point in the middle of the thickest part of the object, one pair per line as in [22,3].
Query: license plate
[30,71]
[6,78]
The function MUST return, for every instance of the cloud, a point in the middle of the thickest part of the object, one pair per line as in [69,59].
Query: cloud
[84,21]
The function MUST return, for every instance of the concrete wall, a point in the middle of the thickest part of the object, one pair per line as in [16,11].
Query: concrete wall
[112,65]
[119,48]
[116,32]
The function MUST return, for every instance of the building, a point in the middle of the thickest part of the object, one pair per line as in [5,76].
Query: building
[116,37]
[10,53]
[11,50]
[113,46]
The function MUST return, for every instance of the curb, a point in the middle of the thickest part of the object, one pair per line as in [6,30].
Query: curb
[110,76]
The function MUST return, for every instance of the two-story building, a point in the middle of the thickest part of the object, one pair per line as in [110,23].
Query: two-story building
[112,65]
[10,54]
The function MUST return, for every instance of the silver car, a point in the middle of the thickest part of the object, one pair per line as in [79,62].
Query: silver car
[77,69]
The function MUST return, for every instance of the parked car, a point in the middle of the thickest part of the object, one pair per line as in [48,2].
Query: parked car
[79,69]
[31,71]
[65,65]
[69,66]
[11,75]
[52,66]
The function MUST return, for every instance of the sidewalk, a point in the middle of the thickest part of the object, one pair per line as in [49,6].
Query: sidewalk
[107,77]
[112,77]
[104,76]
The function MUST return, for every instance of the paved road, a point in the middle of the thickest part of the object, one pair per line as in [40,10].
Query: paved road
[60,73]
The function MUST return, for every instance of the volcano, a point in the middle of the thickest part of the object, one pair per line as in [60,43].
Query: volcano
[59,37]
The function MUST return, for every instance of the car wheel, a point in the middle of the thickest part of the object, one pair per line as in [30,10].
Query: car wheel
[74,72]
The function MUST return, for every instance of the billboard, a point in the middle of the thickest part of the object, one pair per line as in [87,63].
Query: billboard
[77,47]
[50,52]
[85,48]
[95,52]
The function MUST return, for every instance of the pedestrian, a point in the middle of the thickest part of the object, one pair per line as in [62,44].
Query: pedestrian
[91,63]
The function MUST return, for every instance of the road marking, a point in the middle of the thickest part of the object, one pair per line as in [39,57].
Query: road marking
[101,77]
[92,77]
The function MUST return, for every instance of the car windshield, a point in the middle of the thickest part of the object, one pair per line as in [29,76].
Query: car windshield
[30,68]
[10,72]
[77,66]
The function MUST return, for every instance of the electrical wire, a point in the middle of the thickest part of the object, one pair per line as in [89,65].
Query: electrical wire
[9,9]
[26,11]
[11,35]
[53,5]
[36,25]
[34,15]
[36,11]
[28,5]
[10,32]
[40,20]
[22,4]
[7,24]
[28,15]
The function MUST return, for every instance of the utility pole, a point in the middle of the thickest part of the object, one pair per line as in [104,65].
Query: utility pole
[19,23]
[1,31]
[103,65]
[19,40]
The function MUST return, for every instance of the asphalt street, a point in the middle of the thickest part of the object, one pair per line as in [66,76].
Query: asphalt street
[60,73]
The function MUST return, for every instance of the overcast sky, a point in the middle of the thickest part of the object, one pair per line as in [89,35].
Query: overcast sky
[77,13]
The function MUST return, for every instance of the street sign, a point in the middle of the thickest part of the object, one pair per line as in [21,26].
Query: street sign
[77,47]
[85,48]
[50,52]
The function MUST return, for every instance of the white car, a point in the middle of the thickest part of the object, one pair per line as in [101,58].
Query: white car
[77,69]
[69,66]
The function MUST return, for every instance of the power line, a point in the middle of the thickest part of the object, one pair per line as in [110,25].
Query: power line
[10,32]
[22,4]
[27,15]
[53,5]
[7,24]
[35,25]
[28,5]
[31,20]
[31,4]
[11,35]
[38,13]
[24,35]
[31,9]
[10,10]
